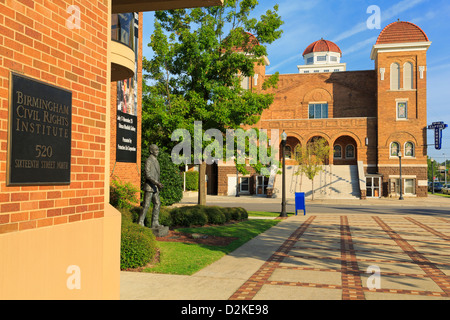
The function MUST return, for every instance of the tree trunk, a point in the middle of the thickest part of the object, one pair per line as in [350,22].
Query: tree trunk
[202,184]
[312,187]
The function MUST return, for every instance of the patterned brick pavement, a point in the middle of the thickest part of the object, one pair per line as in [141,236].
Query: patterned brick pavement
[335,257]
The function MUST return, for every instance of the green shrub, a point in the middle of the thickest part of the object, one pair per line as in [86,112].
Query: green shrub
[123,195]
[165,218]
[215,215]
[236,213]
[244,213]
[189,216]
[227,214]
[138,245]
[200,215]
[192,180]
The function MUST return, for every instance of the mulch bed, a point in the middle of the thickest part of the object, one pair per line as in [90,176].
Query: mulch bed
[175,236]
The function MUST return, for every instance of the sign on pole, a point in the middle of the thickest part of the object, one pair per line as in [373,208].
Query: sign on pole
[437,127]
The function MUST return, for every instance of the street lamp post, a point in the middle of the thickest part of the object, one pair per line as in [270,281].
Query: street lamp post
[445,169]
[283,192]
[432,176]
[237,182]
[401,182]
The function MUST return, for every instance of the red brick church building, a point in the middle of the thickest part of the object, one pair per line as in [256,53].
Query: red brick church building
[368,118]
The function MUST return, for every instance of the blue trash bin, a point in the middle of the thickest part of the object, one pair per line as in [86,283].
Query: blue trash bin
[300,202]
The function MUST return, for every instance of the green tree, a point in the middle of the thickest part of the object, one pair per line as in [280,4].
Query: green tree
[311,159]
[199,57]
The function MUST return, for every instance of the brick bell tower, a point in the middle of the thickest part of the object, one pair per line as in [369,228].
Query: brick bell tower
[400,55]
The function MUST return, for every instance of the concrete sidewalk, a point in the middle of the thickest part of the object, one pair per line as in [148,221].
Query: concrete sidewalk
[322,256]
[431,200]
[215,282]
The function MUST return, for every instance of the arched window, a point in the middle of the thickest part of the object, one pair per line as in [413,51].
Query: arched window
[409,149]
[337,152]
[288,151]
[350,151]
[408,76]
[395,148]
[395,76]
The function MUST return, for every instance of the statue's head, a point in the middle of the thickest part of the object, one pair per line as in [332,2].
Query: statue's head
[154,150]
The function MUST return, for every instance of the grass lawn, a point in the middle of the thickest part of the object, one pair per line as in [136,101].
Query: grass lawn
[440,194]
[266,214]
[186,259]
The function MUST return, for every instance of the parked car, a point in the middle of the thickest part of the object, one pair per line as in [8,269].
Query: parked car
[446,189]
[437,186]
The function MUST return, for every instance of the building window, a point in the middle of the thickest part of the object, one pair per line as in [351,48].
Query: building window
[402,110]
[310,60]
[395,76]
[245,184]
[326,70]
[409,149]
[395,148]
[410,186]
[316,71]
[408,76]
[245,83]
[337,152]
[122,28]
[306,71]
[321,58]
[350,151]
[334,59]
[318,111]
[336,70]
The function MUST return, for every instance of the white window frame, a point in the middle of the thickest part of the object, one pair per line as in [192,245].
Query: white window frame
[413,186]
[397,103]
[321,109]
[247,184]
[334,154]
[390,149]
[346,148]
[245,82]
[408,76]
[395,76]
[413,149]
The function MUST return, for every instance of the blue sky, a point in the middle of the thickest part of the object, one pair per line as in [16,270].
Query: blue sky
[344,22]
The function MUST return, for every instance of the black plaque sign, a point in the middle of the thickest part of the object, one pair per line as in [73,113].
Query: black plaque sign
[126,138]
[40,133]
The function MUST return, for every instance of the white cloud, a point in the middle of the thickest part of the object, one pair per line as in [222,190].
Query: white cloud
[360,45]
[272,69]
[388,14]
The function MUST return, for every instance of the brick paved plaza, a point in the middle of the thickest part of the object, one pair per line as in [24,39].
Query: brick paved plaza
[328,255]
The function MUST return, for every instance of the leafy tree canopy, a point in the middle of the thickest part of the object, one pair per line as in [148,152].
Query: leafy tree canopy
[194,74]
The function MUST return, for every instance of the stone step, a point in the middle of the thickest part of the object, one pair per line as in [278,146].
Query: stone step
[334,182]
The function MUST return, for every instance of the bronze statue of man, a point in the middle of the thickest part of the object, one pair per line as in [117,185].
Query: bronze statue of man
[152,187]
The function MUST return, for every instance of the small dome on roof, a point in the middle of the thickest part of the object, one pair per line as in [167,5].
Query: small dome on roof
[322,46]
[401,32]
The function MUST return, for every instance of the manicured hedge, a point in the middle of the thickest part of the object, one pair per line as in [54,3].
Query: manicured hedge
[200,215]
[192,180]
[138,243]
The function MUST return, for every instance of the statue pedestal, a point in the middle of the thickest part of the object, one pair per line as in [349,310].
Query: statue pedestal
[160,231]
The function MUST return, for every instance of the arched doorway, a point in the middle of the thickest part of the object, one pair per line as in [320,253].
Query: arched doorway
[291,145]
[317,138]
[345,151]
